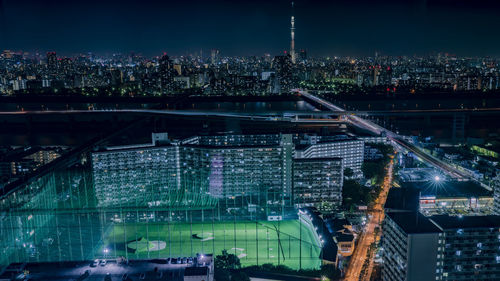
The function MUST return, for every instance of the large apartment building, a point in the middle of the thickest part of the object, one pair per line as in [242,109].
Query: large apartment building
[261,168]
[318,182]
[440,247]
[350,149]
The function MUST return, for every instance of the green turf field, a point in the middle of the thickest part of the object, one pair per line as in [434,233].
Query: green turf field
[254,242]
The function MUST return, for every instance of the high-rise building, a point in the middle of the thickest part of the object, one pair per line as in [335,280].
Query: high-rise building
[166,72]
[257,166]
[411,243]
[140,176]
[214,56]
[318,182]
[470,248]
[228,172]
[351,150]
[283,68]
[440,247]
[52,62]
[248,169]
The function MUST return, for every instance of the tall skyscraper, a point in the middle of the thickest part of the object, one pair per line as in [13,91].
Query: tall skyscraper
[166,72]
[292,34]
[214,56]
[52,61]
[283,67]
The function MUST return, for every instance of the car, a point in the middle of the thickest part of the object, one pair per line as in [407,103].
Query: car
[179,260]
[184,260]
[173,260]
[94,263]
[103,263]
[169,260]
[190,260]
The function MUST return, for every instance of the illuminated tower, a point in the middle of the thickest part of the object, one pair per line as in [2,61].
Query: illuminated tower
[292,33]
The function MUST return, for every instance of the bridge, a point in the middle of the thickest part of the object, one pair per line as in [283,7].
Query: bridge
[396,139]
[306,117]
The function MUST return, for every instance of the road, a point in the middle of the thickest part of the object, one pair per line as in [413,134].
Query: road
[395,138]
[376,216]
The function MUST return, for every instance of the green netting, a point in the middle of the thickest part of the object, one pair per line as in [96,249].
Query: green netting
[59,217]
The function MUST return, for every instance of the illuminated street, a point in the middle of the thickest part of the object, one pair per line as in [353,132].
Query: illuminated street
[376,215]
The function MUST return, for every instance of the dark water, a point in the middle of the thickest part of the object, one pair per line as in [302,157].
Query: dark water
[188,104]
[252,106]
[76,128]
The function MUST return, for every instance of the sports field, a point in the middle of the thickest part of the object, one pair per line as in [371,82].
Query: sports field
[291,243]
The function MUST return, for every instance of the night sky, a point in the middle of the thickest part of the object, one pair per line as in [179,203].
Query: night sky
[238,27]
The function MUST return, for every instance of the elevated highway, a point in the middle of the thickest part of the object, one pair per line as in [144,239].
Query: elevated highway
[395,138]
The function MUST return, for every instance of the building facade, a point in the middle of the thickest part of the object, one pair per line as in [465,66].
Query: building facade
[351,150]
[441,247]
[239,170]
[245,169]
[496,195]
[140,176]
[318,182]
[470,248]
[411,245]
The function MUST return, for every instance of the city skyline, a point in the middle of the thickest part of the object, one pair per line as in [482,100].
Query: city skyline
[334,28]
[225,140]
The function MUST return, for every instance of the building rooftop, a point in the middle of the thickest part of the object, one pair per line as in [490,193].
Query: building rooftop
[196,271]
[448,189]
[455,222]
[403,199]
[344,237]
[413,222]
